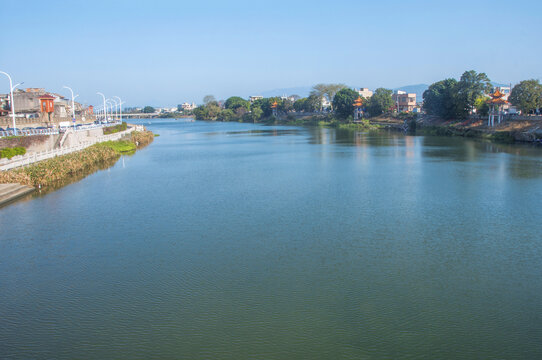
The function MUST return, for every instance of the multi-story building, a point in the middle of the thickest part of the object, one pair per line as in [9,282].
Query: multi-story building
[365,93]
[254,98]
[186,106]
[28,104]
[404,102]
[326,104]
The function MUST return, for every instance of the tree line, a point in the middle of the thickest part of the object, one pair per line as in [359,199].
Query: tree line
[453,99]
[340,97]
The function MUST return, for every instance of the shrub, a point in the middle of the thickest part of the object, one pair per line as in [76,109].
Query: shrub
[11,152]
[116,128]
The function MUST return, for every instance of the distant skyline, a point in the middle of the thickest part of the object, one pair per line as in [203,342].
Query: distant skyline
[163,53]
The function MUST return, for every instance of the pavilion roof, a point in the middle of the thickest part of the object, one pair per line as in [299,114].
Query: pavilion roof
[497,94]
[47,97]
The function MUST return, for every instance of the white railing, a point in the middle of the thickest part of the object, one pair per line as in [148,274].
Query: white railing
[53,131]
[25,160]
[29,132]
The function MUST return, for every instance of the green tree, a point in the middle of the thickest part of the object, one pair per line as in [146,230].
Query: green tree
[265,105]
[213,109]
[380,102]
[440,99]
[286,106]
[236,102]
[201,113]
[343,102]
[527,96]
[327,90]
[313,103]
[300,104]
[254,115]
[470,87]
[481,106]
[148,110]
[226,115]
[208,98]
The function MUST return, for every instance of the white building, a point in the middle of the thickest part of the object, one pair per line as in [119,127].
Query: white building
[254,98]
[326,104]
[404,102]
[365,93]
[186,106]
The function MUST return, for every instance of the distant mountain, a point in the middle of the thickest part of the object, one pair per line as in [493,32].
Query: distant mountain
[418,89]
[496,84]
[302,91]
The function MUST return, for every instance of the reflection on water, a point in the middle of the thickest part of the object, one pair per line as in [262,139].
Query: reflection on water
[233,241]
[77,177]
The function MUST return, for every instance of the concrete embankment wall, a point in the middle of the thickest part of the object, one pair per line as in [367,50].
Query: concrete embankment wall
[74,139]
[43,120]
[39,143]
[34,143]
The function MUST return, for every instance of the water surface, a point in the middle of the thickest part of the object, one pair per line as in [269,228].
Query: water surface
[242,241]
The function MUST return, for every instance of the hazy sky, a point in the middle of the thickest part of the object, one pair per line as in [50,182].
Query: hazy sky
[166,52]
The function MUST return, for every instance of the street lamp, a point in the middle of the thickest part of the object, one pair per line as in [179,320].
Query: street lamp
[73,104]
[105,109]
[108,101]
[11,87]
[120,106]
[116,104]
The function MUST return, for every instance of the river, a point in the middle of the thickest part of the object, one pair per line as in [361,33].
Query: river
[244,241]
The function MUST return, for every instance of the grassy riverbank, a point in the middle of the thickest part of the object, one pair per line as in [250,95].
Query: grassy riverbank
[322,121]
[508,132]
[59,169]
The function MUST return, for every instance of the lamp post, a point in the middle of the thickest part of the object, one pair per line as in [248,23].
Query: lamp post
[116,104]
[73,105]
[105,109]
[11,87]
[108,102]
[120,107]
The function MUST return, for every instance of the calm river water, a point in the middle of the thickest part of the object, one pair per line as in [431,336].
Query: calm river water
[242,241]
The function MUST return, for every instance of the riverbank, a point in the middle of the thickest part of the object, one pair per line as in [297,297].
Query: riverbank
[327,121]
[509,131]
[61,168]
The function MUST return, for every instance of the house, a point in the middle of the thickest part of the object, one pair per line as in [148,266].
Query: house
[404,102]
[326,104]
[27,102]
[254,98]
[187,107]
[365,93]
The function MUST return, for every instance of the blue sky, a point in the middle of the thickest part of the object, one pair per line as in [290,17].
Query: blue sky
[167,52]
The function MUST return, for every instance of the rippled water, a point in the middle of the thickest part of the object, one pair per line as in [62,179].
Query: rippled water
[236,241]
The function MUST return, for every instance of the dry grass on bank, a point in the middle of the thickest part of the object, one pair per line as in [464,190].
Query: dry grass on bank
[48,172]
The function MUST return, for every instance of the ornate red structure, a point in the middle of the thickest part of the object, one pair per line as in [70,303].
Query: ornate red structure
[358,111]
[47,103]
[274,108]
[496,104]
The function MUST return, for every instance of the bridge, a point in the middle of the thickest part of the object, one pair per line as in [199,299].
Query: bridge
[140,115]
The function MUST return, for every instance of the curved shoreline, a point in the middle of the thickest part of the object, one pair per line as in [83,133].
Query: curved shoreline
[56,172]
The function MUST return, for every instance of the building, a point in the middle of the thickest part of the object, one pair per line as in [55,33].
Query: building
[365,93]
[188,107]
[37,103]
[254,98]
[505,91]
[404,102]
